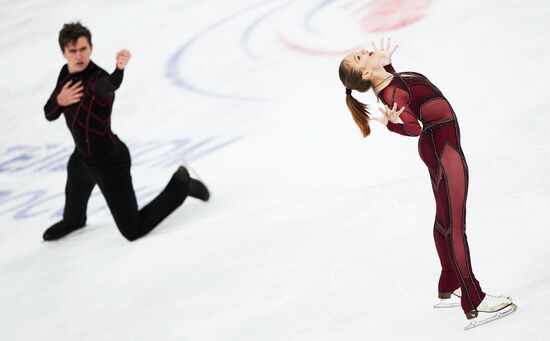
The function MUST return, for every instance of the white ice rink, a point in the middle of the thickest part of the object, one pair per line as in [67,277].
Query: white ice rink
[312,233]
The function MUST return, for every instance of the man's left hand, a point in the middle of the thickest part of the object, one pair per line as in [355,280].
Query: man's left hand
[122,58]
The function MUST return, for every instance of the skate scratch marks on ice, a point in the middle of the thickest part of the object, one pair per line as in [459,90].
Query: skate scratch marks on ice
[336,311]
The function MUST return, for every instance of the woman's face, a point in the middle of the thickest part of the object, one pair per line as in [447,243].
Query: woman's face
[363,61]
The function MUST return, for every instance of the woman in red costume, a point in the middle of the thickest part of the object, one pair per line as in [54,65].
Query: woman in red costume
[410,98]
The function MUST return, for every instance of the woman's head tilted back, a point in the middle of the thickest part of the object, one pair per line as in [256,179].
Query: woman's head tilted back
[355,70]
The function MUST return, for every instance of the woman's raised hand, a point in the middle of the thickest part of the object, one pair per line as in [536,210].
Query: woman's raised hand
[385,51]
[382,119]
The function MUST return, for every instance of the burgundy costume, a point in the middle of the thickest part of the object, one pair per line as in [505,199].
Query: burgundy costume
[439,148]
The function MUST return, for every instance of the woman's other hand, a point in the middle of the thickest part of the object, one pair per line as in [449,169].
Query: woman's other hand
[392,114]
[385,51]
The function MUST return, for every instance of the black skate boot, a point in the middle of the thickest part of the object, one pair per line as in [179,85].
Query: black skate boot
[196,188]
[59,230]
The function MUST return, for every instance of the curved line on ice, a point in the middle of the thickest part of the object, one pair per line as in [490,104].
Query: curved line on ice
[313,13]
[181,81]
[245,41]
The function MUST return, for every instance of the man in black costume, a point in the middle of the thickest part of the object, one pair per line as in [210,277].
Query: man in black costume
[84,94]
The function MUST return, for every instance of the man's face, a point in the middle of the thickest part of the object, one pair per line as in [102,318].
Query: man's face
[78,54]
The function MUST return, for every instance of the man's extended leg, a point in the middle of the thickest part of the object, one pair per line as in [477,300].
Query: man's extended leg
[115,182]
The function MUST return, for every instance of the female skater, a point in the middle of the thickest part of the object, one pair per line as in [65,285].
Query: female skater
[410,97]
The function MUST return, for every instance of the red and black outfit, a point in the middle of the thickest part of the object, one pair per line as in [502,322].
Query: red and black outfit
[439,148]
[101,158]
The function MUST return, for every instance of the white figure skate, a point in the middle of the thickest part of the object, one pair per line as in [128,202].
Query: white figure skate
[449,299]
[491,308]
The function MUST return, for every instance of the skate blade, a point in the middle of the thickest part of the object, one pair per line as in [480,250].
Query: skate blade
[498,315]
[442,304]
[452,302]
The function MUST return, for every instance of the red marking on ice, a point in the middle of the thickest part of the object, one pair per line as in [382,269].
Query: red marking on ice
[387,15]
[315,52]
[375,16]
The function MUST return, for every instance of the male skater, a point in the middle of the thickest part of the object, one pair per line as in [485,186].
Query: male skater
[84,94]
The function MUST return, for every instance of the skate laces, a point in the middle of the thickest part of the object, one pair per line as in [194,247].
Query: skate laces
[498,298]
[493,301]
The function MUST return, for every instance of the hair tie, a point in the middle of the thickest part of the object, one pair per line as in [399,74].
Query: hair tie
[348,91]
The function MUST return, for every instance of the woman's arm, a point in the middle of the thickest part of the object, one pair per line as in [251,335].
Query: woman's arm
[400,121]
[390,69]
[409,127]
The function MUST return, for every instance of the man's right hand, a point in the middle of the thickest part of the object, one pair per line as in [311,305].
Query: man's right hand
[70,93]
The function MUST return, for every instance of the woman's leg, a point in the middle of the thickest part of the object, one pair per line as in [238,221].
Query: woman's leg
[452,194]
[448,282]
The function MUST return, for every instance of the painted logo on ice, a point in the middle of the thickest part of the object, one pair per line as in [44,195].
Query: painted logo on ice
[32,162]
[289,25]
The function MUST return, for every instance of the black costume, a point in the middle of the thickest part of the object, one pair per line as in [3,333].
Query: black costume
[101,158]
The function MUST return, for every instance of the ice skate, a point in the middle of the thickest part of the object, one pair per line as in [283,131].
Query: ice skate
[60,230]
[196,188]
[449,299]
[491,308]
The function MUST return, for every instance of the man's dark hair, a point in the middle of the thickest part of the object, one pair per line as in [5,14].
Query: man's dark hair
[70,33]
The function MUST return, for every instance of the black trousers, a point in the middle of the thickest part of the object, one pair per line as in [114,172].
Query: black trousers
[112,175]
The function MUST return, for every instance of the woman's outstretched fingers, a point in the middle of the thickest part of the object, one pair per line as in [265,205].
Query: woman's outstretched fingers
[393,50]
[388,46]
[400,111]
[392,114]
[382,119]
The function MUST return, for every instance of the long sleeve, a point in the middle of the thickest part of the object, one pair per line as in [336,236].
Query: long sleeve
[88,118]
[108,84]
[389,68]
[410,125]
[52,110]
